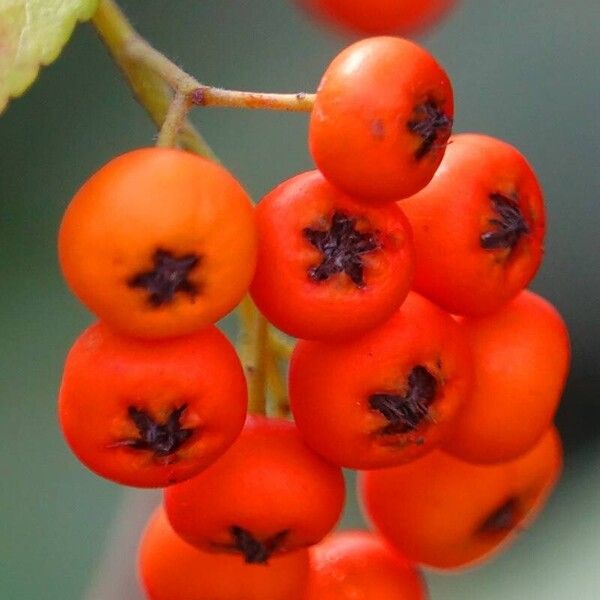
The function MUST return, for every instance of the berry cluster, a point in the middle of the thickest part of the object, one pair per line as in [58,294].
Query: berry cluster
[401,264]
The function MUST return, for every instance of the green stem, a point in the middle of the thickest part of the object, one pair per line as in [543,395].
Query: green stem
[134,53]
[254,350]
[282,347]
[149,87]
[258,393]
[277,386]
[173,123]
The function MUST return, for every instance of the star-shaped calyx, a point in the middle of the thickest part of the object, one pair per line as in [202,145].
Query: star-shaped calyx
[502,519]
[406,411]
[254,550]
[342,247]
[163,439]
[168,276]
[508,227]
[432,125]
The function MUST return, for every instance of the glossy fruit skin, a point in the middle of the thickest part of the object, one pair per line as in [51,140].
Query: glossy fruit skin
[521,357]
[435,510]
[358,565]
[268,482]
[452,213]
[151,205]
[171,569]
[337,307]
[107,375]
[331,386]
[369,101]
[379,17]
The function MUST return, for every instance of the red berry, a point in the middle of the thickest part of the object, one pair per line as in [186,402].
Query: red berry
[386,397]
[377,17]
[445,513]
[357,565]
[521,360]
[268,494]
[329,266]
[478,227]
[151,413]
[381,119]
[171,569]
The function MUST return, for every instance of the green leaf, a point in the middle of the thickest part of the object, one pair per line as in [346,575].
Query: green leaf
[32,34]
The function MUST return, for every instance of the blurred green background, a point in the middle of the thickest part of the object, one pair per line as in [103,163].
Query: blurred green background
[523,70]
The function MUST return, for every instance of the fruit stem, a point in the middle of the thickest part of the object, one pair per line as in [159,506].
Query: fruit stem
[281,346]
[148,87]
[173,123]
[257,403]
[277,386]
[278,352]
[200,94]
[261,352]
[136,56]
[206,95]
[254,350]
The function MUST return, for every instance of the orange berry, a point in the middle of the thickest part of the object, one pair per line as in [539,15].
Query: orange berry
[385,397]
[521,360]
[159,242]
[150,413]
[478,227]
[171,569]
[445,513]
[381,119]
[377,17]
[328,265]
[357,565]
[268,494]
